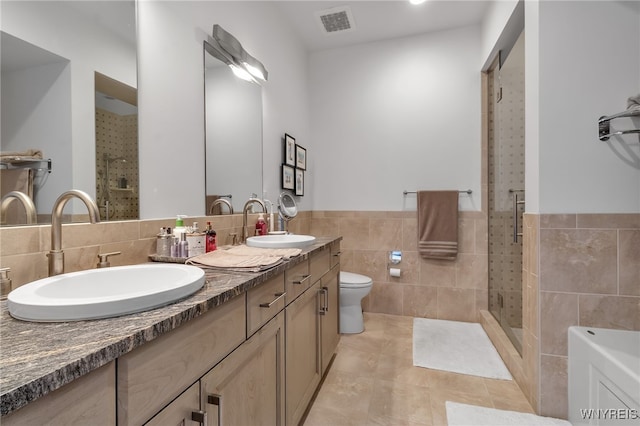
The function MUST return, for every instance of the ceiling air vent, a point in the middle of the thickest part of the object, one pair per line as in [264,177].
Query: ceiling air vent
[336,20]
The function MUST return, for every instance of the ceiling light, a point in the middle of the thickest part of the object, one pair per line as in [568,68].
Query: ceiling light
[417,1]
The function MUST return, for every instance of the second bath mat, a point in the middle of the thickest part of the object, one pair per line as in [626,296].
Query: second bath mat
[459,347]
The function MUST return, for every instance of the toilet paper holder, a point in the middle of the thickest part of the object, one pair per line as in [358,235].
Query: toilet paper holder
[395,257]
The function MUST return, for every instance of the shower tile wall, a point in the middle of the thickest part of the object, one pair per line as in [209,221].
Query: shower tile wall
[116,136]
[506,171]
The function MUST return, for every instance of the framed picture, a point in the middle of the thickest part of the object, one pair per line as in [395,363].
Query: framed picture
[289,150]
[299,182]
[288,178]
[301,158]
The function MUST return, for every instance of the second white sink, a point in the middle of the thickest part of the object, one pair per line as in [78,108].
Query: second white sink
[104,293]
[281,241]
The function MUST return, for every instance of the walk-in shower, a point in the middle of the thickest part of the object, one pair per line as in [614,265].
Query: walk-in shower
[506,190]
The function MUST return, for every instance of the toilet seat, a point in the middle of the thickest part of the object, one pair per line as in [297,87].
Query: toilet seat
[352,280]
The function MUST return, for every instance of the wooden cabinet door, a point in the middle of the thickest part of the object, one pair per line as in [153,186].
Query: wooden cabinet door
[330,315]
[247,387]
[303,352]
[180,411]
[91,399]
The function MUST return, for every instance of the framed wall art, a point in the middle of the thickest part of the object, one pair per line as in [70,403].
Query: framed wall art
[301,158]
[288,178]
[289,150]
[299,182]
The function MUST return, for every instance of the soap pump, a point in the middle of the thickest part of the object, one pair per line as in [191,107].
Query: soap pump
[179,228]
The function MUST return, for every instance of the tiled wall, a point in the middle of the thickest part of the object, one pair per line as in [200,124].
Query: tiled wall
[580,269]
[24,249]
[117,136]
[426,288]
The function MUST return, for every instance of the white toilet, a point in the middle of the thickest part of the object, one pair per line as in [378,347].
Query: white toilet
[353,288]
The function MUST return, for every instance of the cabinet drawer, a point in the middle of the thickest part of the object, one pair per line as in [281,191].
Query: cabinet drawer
[335,253]
[152,375]
[320,264]
[180,411]
[89,400]
[296,281]
[264,302]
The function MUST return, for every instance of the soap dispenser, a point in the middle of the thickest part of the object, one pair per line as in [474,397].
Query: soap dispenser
[261,225]
[179,228]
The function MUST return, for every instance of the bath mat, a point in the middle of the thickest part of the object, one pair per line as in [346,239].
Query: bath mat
[471,415]
[460,347]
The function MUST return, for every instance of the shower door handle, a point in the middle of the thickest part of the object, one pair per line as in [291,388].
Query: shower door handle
[516,203]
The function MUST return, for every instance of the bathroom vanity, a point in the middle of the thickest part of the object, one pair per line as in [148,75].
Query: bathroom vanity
[247,348]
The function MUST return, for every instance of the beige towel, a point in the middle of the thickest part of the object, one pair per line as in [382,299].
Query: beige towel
[438,224]
[29,154]
[243,259]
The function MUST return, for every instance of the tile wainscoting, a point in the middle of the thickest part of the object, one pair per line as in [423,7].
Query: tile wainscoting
[452,290]
[579,269]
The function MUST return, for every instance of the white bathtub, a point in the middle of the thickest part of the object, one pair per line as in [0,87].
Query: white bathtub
[604,376]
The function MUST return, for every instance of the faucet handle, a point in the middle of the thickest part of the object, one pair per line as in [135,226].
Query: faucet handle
[104,259]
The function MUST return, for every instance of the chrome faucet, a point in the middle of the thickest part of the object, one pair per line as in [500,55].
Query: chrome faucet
[27,202]
[245,211]
[221,201]
[56,255]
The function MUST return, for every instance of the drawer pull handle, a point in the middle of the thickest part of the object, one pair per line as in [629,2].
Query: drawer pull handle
[303,279]
[216,400]
[199,417]
[324,304]
[337,254]
[274,301]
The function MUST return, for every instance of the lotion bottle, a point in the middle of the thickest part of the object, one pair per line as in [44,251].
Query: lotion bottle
[179,228]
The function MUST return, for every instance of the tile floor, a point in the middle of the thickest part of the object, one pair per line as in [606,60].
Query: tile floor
[373,382]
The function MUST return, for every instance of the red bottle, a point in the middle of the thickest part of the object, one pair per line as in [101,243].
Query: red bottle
[261,225]
[210,238]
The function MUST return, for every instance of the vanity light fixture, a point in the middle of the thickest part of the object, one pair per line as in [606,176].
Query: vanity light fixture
[242,63]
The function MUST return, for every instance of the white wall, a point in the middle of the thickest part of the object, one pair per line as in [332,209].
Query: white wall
[395,115]
[62,30]
[171,96]
[588,66]
[36,114]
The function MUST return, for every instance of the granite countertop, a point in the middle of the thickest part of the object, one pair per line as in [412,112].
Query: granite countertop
[37,358]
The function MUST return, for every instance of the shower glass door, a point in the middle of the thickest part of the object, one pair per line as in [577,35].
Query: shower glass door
[506,191]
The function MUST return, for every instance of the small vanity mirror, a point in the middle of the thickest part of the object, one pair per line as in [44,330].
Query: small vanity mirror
[287,206]
[233,132]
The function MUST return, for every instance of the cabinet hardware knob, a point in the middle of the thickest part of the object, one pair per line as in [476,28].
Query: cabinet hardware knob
[303,279]
[200,417]
[213,399]
[337,254]
[270,304]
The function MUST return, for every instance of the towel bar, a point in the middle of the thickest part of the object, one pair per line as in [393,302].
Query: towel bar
[604,129]
[468,191]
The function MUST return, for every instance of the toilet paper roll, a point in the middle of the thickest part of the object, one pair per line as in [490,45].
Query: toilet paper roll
[394,272]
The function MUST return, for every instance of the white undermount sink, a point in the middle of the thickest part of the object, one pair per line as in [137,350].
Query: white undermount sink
[281,241]
[104,293]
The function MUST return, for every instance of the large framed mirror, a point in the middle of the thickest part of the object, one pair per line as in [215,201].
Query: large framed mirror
[233,135]
[51,51]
